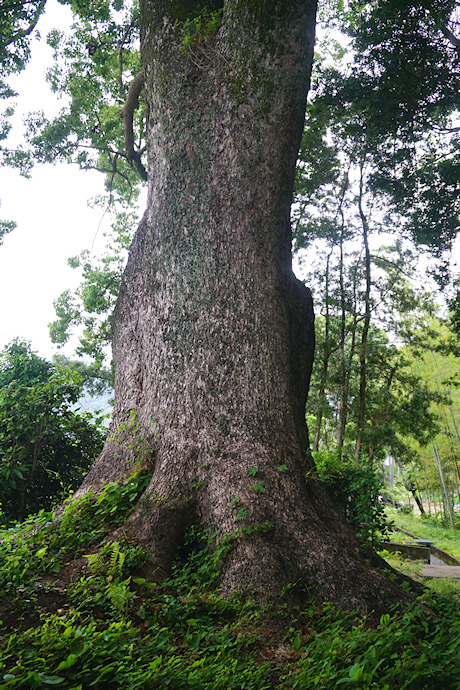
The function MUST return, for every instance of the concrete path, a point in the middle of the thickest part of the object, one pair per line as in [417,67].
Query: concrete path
[440,571]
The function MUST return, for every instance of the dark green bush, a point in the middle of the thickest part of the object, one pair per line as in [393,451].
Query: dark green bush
[46,445]
[355,490]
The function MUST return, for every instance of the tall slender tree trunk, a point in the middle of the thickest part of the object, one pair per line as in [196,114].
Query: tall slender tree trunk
[379,419]
[347,354]
[345,370]
[326,355]
[212,334]
[345,360]
[366,323]
[447,504]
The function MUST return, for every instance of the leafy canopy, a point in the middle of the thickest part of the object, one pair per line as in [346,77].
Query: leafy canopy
[392,99]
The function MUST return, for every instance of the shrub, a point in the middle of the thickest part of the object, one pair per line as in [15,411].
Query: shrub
[355,490]
[46,445]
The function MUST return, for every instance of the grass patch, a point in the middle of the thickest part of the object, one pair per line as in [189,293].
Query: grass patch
[78,617]
[426,528]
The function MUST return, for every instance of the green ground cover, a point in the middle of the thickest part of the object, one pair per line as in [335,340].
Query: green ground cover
[76,616]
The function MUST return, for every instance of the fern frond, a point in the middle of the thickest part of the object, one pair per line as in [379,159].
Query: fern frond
[113,568]
[95,560]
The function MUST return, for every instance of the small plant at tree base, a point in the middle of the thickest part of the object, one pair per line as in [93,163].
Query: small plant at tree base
[109,560]
[242,513]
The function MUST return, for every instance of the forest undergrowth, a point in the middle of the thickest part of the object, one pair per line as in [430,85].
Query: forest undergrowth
[80,610]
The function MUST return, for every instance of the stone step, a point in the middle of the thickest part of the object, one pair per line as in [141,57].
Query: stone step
[413,551]
[440,571]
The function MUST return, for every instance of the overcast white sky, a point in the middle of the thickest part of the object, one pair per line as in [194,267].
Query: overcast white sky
[51,212]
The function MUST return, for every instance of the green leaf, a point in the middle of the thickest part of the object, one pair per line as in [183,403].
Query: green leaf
[71,659]
[356,672]
[51,680]
[385,620]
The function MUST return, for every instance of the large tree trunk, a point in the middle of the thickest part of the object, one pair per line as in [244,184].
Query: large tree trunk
[212,334]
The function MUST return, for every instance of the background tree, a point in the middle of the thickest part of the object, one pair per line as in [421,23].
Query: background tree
[413,80]
[95,66]
[376,120]
[435,467]
[96,380]
[46,445]
[17,22]
[357,291]
[92,303]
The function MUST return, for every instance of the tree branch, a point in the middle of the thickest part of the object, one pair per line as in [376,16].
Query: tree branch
[391,263]
[127,114]
[451,37]
[33,23]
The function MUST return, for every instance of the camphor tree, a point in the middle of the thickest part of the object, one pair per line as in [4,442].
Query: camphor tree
[212,334]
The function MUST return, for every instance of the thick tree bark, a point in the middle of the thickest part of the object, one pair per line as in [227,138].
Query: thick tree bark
[213,335]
